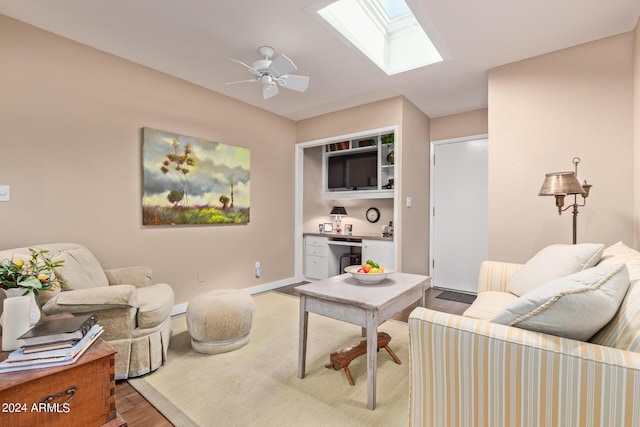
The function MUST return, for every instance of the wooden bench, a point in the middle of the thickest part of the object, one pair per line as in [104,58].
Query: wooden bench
[340,359]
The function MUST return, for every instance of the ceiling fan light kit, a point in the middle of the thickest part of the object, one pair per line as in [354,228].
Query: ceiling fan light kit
[274,73]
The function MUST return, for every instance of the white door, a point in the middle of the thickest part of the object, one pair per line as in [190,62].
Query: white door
[459,213]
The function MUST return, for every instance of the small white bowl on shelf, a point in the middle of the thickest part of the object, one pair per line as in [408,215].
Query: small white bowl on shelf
[367,277]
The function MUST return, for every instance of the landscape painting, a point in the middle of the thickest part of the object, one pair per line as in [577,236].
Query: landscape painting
[189,180]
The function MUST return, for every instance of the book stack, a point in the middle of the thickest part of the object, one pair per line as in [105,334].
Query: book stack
[337,146]
[52,343]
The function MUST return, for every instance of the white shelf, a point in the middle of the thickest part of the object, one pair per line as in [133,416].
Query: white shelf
[385,171]
[350,151]
[358,194]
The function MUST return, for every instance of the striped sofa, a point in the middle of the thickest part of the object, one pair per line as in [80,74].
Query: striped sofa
[467,371]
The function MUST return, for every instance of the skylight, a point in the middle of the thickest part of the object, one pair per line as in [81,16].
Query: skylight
[394,8]
[386,31]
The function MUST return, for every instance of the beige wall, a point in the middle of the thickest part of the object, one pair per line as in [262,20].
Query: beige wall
[414,183]
[636,135]
[544,111]
[375,115]
[470,123]
[71,120]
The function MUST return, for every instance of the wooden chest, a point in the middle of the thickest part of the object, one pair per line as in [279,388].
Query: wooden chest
[80,394]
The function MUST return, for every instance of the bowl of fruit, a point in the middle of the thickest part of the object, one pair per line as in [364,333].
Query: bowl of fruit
[369,272]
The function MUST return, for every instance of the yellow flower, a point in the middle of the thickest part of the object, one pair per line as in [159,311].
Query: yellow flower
[18,262]
[43,277]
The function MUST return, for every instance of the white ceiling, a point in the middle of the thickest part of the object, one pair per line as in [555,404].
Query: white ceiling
[192,39]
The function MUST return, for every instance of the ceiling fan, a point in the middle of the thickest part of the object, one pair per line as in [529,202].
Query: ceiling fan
[274,73]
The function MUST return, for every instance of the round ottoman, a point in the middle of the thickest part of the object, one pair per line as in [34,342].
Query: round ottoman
[220,321]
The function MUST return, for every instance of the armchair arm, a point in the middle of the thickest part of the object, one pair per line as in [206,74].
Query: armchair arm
[467,371]
[92,299]
[494,275]
[139,276]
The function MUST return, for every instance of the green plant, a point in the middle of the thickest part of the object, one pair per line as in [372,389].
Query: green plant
[34,275]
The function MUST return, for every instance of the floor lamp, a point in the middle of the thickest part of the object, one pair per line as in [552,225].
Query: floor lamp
[561,184]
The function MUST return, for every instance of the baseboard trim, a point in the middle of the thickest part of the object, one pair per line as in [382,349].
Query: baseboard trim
[265,287]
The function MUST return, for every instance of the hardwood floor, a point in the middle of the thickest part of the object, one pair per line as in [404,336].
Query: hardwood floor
[135,409]
[138,412]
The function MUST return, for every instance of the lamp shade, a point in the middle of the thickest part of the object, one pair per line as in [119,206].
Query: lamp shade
[338,210]
[561,183]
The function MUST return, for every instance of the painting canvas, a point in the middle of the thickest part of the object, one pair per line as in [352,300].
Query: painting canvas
[189,180]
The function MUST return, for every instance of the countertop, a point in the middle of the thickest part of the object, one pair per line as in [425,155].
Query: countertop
[350,236]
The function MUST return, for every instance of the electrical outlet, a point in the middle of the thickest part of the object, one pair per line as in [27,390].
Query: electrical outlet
[258,269]
[5,193]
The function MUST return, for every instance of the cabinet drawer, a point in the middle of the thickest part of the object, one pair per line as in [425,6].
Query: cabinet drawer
[317,250]
[316,267]
[316,241]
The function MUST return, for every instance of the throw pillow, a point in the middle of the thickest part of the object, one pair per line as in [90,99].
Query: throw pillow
[553,262]
[81,269]
[576,306]
[623,331]
[618,253]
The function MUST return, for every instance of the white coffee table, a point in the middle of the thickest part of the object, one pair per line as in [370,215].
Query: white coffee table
[367,305]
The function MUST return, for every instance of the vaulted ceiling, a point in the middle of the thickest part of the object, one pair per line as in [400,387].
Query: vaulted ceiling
[193,39]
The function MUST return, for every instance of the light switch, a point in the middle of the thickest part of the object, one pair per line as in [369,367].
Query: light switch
[5,193]
[409,201]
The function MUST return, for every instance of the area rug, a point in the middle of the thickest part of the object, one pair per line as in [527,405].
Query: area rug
[257,385]
[457,296]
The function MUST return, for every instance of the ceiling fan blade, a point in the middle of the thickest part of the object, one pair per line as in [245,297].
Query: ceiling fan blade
[243,81]
[294,82]
[269,90]
[281,66]
[253,71]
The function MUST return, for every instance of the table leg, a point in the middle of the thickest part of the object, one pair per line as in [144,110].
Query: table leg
[372,358]
[302,338]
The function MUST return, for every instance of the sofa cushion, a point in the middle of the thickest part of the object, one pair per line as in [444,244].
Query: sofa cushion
[488,304]
[156,303]
[623,331]
[619,252]
[553,262]
[89,300]
[81,269]
[11,254]
[139,276]
[576,306]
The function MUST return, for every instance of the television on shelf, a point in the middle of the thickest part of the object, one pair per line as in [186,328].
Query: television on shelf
[355,171]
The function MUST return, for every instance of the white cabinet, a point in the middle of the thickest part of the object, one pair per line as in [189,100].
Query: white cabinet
[322,255]
[316,251]
[359,168]
[380,251]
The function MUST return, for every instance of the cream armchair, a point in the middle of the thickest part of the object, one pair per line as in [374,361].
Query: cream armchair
[134,313]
